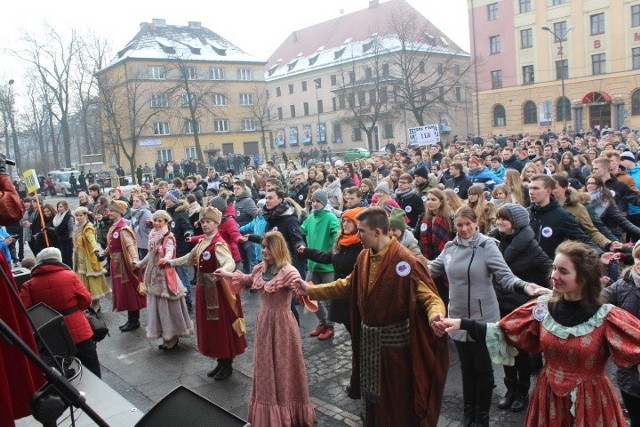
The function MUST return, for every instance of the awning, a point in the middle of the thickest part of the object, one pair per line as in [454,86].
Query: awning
[596,98]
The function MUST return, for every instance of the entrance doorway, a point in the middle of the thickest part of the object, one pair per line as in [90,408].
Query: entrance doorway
[600,116]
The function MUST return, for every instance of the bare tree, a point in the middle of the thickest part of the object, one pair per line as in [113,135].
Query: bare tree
[428,70]
[35,123]
[260,111]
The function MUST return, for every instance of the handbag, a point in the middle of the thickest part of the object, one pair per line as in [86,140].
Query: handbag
[98,325]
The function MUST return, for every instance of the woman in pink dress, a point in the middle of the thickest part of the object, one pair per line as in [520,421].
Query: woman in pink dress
[280,392]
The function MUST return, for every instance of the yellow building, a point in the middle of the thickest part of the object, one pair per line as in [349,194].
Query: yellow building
[171,84]
[555,64]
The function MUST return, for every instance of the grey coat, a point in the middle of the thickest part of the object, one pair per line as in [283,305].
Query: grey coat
[470,267]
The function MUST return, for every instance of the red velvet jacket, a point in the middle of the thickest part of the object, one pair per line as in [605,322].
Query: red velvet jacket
[61,289]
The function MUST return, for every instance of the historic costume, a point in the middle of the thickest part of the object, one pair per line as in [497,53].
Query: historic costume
[399,364]
[279,392]
[167,312]
[573,388]
[85,261]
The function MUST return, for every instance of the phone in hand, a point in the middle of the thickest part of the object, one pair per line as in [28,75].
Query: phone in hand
[14,236]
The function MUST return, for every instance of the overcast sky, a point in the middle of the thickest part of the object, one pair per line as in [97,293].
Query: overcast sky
[256,26]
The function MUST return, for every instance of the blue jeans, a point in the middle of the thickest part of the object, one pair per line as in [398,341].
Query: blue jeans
[183,274]
[319,278]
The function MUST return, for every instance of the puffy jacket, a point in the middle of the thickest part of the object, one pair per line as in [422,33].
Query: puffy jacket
[60,288]
[321,228]
[246,208]
[181,228]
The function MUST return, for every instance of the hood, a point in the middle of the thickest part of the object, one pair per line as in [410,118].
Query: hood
[182,207]
[48,267]
[408,238]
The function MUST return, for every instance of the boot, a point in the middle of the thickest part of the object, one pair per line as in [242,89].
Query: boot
[482,418]
[507,400]
[133,323]
[215,370]
[225,371]
[484,390]
[467,421]
[521,399]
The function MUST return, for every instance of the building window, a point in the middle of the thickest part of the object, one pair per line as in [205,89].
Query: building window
[441,69]
[217,74]
[357,134]
[157,73]
[563,109]
[635,56]
[562,69]
[560,31]
[352,77]
[385,70]
[597,24]
[598,64]
[161,128]
[290,89]
[527,74]
[635,15]
[221,125]
[219,99]
[342,103]
[305,108]
[292,109]
[278,91]
[368,73]
[441,94]
[526,38]
[494,44]
[456,69]
[421,67]
[159,100]
[191,126]
[164,155]
[458,93]
[492,11]
[189,99]
[244,73]
[189,73]
[382,95]
[248,124]
[246,99]
[388,130]
[320,106]
[496,79]
[318,82]
[190,153]
[530,113]
[304,86]
[280,113]
[372,97]
[334,103]
[499,116]
[337,133]
[525,6]
[558,2]
[362,98]
[635,103]
[334,80]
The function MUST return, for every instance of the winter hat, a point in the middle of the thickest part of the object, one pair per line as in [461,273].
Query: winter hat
[322,196]
[628,155]
[519,215]
[175,193]
[473,160]
[261,202]
[352,214]
[219,202]
[211,213]
[170,196]
[366,173]
[118,206]
[339,163]
[162,214]
[383,186]
[396,220]
[422,171]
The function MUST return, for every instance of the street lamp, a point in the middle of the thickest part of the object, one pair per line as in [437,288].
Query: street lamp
[560,38]
[318,82]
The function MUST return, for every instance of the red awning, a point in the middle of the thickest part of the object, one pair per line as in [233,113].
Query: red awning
[596,98]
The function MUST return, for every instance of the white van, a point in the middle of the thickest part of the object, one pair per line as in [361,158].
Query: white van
[61,180]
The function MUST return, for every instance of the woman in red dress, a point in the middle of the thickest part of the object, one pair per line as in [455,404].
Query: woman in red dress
[577,333]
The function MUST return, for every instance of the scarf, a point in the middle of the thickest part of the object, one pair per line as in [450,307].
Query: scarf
[279,210]
[156,237]
[403,194]
[599,203]
[194,207]
[57,220]
[348,239]
[636,277]
[77,228]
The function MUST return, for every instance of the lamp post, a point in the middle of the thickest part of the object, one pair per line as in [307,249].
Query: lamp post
[317,81]
[560,38]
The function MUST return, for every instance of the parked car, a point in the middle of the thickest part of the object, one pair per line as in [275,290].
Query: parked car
[61,180]
[356,153]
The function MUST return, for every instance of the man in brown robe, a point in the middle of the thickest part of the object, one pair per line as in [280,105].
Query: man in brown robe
[399,362]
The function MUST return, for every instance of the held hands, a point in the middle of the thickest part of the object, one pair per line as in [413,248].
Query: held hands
[243,239]
[607,257]
[164,263]
[222,273]
[615,246]
[437,325]
[303,287]
[449,325]
[301,249]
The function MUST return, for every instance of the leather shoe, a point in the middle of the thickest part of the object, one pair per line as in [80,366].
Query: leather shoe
[215,370]
[130,327]
[126,325]
[224,373]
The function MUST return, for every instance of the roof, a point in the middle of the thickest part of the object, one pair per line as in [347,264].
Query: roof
[319,43]
[193,42]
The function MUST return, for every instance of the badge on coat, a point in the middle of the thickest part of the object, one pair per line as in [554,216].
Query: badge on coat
[547,232]
[423,227]
[424,198]
[116,234]
[274,229]
[206,255]
[403,268]
[173,224]
[300,197]
[407,209]
[540,311]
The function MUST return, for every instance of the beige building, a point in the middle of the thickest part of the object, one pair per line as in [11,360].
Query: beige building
[544,64]
[172,83]
[321,74]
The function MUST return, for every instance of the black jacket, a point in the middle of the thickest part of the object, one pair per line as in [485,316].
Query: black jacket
[460,185]
[181,227]
[413,206]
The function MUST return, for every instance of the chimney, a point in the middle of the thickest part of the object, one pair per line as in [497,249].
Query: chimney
[195,24]
[373,3]
[159,22]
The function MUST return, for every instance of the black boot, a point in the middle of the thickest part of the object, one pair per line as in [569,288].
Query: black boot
[133,323]
[521,399]
[467,421]
[215,370]
[484,390]
[225,371]
[506,401]
[482,418]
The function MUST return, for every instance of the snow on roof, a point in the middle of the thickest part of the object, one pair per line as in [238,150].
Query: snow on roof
[192,42]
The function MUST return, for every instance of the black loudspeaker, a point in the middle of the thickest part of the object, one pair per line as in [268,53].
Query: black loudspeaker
[53,330]
[21,275]
[185,408]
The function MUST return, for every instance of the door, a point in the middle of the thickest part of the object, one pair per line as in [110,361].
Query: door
[251,148]
[600,115]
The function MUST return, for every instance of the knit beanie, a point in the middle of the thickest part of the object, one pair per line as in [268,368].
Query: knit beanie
[383,186]
[396,220]
[422,171]
[628,155]
[351,214]
[219,203]
[519,215]
[172,197]
[322,196]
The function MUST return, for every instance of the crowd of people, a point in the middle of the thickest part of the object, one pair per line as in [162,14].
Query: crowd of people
[485,241]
